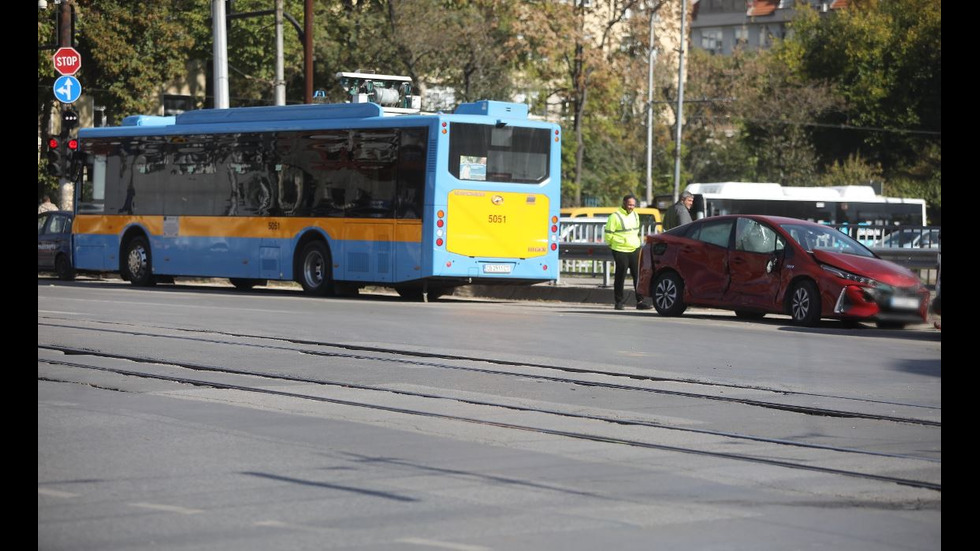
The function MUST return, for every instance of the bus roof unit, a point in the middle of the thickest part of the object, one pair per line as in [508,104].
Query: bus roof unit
[493,109]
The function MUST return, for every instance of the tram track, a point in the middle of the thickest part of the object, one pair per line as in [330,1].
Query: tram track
[579,435]
[415,358]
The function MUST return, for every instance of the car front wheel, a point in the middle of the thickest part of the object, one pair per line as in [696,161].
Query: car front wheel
[668,294]
[804,304]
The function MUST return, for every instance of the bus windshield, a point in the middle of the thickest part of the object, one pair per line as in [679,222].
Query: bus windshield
[499,153]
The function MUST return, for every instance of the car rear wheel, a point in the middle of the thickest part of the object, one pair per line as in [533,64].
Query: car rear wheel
[803,304]
[668,294]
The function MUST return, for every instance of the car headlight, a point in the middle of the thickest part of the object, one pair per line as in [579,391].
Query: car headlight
[852,277]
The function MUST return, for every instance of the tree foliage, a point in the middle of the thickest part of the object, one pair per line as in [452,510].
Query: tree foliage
[884,59]
[848,96]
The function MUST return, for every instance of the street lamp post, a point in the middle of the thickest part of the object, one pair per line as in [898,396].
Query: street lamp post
[651,58]
[680,104]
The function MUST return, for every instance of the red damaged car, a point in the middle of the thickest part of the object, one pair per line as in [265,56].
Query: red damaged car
[758,265]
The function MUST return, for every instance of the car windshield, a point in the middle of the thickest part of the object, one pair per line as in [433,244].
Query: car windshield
[826,238]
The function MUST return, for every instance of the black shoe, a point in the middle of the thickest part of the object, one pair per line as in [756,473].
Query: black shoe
[619,305]
[643,306]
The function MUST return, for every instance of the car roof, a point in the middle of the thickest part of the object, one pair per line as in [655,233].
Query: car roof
[775,220]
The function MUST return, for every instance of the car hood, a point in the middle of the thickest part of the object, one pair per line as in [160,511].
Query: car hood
[875,268]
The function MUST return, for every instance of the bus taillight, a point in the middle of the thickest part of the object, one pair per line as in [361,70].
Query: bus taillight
[440,223]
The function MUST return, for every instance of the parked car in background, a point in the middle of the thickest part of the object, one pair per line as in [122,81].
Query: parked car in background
[758,265]
[54,244]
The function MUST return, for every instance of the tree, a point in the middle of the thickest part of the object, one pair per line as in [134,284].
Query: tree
[131,49]
[576,50]
[884,59]
[753,120]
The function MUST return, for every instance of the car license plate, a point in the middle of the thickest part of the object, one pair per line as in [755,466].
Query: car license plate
[904,303]
[497,268]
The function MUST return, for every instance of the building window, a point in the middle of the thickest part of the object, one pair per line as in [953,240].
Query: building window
[711,40]
[175,105]
[765,37]
[741,37]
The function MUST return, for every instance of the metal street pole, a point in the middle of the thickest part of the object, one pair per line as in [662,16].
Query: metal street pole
[308,50]
[280,62]
[219,26]
[66,187]
[651,57]
[680,103]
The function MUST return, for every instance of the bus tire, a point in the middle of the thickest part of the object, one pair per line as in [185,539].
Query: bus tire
[137,265]
[315,273]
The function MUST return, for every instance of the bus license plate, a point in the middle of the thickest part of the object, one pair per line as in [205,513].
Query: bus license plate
[905,303]
[497,268]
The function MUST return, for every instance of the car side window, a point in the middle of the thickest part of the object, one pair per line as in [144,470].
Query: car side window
[716,232]
[754,237]
[57,224]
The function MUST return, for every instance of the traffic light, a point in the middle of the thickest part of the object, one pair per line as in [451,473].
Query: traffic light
[71,161]
[56,166]
[69,120]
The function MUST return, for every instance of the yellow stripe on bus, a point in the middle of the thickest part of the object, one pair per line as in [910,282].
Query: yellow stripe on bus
[359,229]
[115,224]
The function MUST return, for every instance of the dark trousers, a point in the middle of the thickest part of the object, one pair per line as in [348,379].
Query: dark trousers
[626,261]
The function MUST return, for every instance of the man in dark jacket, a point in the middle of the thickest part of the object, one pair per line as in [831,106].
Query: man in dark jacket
[680,213]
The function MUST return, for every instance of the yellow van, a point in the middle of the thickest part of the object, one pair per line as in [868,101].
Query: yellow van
[649,216]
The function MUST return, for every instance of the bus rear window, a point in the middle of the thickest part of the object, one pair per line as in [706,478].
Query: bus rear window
[499,154]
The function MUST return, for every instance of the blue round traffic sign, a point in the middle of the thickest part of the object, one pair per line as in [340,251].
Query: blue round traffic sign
[67,89]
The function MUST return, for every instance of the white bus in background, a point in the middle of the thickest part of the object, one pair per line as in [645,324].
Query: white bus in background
[840,206]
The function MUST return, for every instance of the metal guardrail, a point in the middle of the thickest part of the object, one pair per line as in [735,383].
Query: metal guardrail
[584,253]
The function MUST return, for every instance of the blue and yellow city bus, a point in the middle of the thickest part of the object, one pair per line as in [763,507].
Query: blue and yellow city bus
[331,196]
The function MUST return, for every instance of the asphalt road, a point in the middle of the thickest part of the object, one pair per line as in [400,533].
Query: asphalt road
[198,417]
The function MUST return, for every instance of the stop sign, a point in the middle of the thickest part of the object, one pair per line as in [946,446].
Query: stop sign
[67,61]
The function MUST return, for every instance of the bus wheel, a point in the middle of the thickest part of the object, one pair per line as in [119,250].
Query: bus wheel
[314,269]
[63,268]
[137,264]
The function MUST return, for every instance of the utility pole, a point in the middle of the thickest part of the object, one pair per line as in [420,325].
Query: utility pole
[280,84]
[651,58]
[680,103]
[219,30]
[66,39]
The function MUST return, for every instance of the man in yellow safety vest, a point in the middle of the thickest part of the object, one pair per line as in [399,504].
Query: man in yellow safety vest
[622,233]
